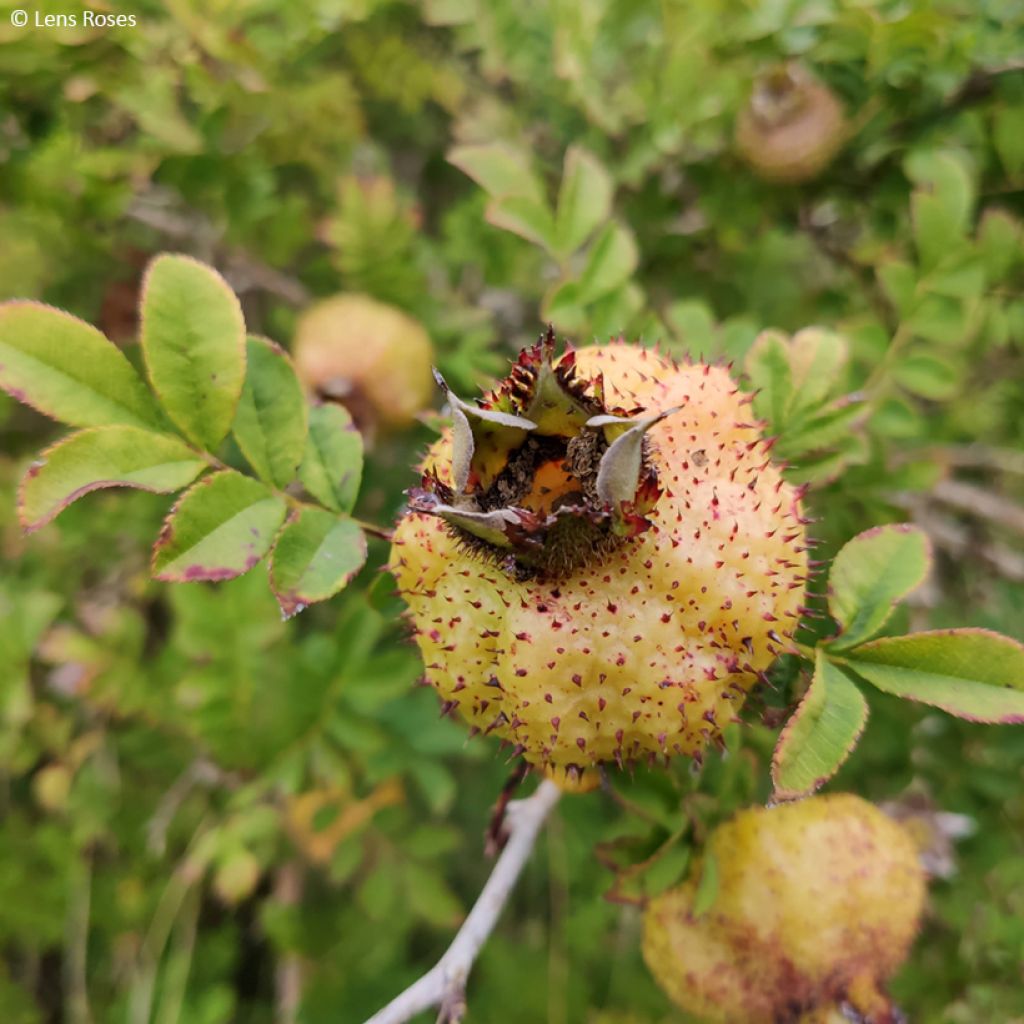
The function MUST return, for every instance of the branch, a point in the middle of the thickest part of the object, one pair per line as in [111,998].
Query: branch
[444,985]
[162,211]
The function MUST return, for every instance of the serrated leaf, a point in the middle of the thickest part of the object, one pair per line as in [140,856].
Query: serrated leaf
[270,422]
[871,573]
[524,216]
[767,365]
[971,673]
[219,529]
[817,358]
[68,370]
[819,468]
[828,425]
[499,169]
[193,341]
[332,467]
[315,556]
[103,457]
[584,200]
[820,734]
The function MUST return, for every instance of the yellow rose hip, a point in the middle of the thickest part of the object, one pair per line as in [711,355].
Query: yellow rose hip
[371,357]
[816,906]
[602,558]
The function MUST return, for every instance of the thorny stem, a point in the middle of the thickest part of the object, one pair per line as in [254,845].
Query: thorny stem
[444,985]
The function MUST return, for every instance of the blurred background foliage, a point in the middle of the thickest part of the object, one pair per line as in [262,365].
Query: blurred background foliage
[211,815]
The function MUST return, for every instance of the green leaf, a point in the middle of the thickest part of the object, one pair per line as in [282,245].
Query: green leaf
[563,306]
[584,200]
[962,279]
[940,318]
[193,340]
[611,261]
[928,375]
[332,467]
[896,418]
[693,322]
[874,571]
[971,673]
[941,206]
[827,426]
[767,365]
[270,422]
[817,358]
[1008,138]
[219,529]
[821,733]
[999,244]
[529,218]
[707,888]
[67,369]
[103,457]
[315,556]
[899,282]
[430,897]
[499,169]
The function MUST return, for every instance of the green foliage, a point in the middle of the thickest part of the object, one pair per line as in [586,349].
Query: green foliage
[870,575]
[201,797]
[270,422]
[221,527]
[193,339]
[332,463]
[973,673]
[68,370]
[823,730]
[315,555]
[104,457]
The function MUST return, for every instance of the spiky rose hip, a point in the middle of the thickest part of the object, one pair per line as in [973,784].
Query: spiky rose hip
[602,557]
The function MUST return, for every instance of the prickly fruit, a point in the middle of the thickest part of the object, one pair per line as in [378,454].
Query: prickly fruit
[602,558]
[372,358]
[816,906]
[792,126]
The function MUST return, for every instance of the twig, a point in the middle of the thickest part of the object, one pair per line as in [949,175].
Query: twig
[959,541]
[162,211]
[199,772]
[288,886]
[968,456]
[77,931]
[977,501]
[444,985]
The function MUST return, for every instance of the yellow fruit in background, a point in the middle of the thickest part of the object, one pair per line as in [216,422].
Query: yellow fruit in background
[816,906]
[373,358]
[791,127]
[51,787]
[602,558]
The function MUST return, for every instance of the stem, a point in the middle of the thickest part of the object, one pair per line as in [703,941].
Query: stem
[373,530]
[77,931]
[444,985]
